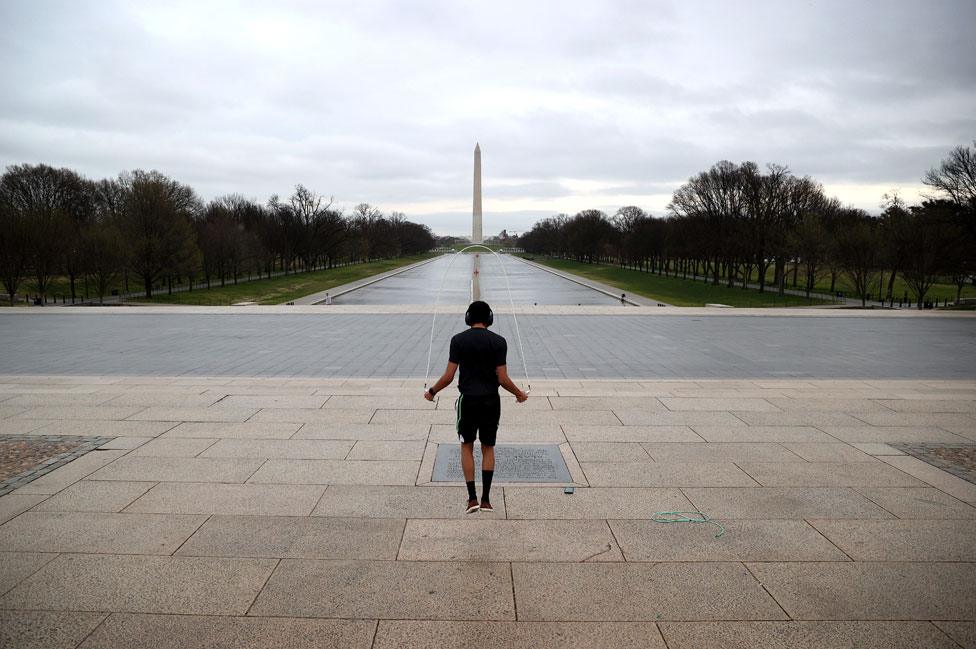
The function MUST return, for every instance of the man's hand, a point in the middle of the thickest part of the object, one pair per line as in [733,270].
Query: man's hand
[522,396]
[428,395]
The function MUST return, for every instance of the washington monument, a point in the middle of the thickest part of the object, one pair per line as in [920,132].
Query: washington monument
[476,207]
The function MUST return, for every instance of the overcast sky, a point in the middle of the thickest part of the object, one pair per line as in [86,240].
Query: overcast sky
[576,105]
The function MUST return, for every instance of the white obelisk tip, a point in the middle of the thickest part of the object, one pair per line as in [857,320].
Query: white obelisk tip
[476,202]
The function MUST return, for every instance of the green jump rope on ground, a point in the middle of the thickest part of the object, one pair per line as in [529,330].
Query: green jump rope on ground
[687,517]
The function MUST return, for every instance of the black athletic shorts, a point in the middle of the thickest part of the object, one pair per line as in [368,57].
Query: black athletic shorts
[477,416]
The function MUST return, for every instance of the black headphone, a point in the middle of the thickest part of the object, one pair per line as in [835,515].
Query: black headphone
[468,320]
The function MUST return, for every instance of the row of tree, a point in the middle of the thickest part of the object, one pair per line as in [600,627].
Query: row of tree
[735,222]
[55,223]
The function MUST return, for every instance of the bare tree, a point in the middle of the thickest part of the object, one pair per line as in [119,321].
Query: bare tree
[13,246]
[857,249]
[156,226]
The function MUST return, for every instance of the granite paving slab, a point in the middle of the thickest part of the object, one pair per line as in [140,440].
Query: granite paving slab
[784,502]
[677,418]
[334,430]
[762,434]
[271,401]
[834,452]
[828,474]
[517,635]
[330,472]
[296,537]
[179,469]
[97,533]
[599,503]
[959,423]
[711,404]
[902,540]
[610,452]
[94,496]
[170,399]
[661,474]
[243,499]
[952,485]
[46,629]
[127,630]
[414,401]
[387,450]
[319,416]
[871,590]
[378,501]
[105,428]
[804,635]
[124,443]
[388,590]
[14,503]
[891,434]
[634,592]
[790,404]
[295,449]
[211,414]
[919,502]
[964,633]
[18,566]
[174,447]
[502,540]
[63,399]
[21,426]
[630,434]
[81,412]
[720,452]
[744,540]
[817,419]
[931,405]
[142,584]
[646,404]
[248,430]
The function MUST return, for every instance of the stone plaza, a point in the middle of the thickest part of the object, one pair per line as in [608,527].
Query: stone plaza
[270,480]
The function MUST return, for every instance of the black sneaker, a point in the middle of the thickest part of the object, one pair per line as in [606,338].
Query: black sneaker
[472,506]
[486,506]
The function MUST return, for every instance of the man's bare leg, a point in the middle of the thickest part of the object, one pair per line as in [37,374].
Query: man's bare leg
[487,458]
[487,471]
[467,467]
[467,461]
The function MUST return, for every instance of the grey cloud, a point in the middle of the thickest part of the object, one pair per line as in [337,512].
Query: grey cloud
[383,101]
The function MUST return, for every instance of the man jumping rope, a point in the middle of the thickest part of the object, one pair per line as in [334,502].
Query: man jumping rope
[481,356]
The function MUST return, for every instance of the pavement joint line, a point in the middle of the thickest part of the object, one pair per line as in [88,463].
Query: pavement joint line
[271,573]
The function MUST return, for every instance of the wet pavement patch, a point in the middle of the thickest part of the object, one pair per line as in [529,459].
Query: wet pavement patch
[957,459]
[513,463]
[24,458]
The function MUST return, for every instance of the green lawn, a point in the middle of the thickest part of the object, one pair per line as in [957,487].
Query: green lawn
[938,291]
[279,290]
[673,290]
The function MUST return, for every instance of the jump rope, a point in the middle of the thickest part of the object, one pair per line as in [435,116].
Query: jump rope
[658,517]
[508,285]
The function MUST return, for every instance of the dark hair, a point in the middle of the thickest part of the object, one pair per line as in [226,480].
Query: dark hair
[479,312]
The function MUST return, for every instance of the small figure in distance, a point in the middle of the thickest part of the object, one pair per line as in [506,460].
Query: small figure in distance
[481,356]
[623,298]
[328,299]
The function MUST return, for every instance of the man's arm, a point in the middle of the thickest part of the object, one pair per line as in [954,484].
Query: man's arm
[442,382]
[506,382]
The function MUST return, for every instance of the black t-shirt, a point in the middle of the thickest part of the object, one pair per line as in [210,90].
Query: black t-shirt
[478,352]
